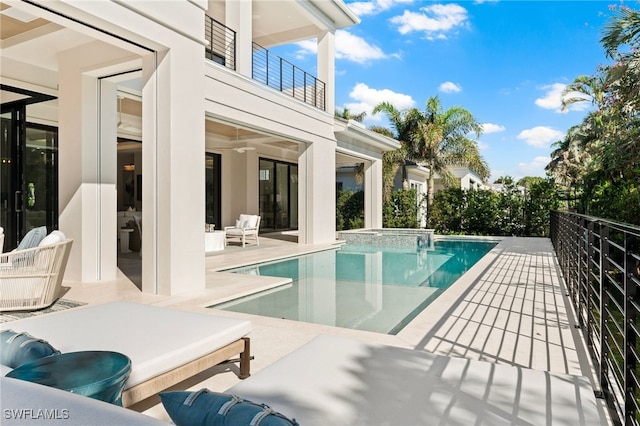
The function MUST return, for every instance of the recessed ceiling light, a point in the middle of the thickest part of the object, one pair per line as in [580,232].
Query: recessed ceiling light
[18,14]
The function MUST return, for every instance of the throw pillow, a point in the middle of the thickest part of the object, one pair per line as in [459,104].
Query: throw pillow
[205,407]
[33,238]
[19,348]
[54,237]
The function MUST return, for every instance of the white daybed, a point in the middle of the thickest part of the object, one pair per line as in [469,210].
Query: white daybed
[338,381]
[25,403]
[166,346]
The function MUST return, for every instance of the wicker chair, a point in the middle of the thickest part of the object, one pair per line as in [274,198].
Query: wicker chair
[31,279]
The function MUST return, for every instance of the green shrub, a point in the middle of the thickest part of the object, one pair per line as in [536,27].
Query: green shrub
[349,210]
[401,211]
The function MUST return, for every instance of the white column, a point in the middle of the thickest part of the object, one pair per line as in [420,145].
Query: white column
[239,17]
[87,164]
[317,191]
[373,195]
[327,68]
[173,155]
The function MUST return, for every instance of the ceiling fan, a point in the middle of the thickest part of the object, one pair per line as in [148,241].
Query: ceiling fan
[242,149]
[239,149]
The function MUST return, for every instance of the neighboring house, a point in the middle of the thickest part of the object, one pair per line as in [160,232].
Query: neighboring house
[468,179]
[175,109]
[498,187]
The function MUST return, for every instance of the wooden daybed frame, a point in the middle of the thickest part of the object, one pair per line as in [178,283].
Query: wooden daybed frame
[163,381]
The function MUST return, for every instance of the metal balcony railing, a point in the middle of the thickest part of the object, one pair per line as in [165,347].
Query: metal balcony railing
[282,75]
[222,43]
[600,261]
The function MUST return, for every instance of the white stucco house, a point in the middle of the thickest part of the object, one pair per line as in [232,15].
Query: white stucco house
[176,109]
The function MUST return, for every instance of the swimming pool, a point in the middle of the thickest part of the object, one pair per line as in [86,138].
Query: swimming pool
[363,287]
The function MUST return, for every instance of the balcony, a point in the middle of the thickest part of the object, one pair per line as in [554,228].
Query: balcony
[267,68]
[282,75]
[222,43]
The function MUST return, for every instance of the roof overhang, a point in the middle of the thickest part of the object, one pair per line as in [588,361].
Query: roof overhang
[350,133]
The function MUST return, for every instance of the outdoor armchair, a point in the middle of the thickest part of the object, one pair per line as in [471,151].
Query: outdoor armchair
[31,279]
[245,230]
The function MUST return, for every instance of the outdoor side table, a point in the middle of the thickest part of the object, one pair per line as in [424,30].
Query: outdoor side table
[96,374]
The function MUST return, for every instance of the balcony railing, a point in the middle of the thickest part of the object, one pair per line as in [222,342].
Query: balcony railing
[222,43]
[600,261]
[282,75]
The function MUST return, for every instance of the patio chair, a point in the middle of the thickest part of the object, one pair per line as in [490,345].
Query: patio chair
[31,279]
[246,229]
[1,239]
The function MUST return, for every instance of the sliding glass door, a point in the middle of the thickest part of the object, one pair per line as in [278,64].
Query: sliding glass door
[29,175]
[278,183]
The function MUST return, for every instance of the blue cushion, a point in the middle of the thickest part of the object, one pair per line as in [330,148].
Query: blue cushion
[19,348]
[33,238]
[205,407]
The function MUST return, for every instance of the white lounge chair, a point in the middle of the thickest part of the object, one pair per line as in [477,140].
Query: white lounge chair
[166,346]
[31,279]
[245,230]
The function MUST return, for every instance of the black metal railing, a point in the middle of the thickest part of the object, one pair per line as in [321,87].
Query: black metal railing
[221,43]
[282,75]
[600,261]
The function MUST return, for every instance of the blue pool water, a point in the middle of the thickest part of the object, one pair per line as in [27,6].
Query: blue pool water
[370,288]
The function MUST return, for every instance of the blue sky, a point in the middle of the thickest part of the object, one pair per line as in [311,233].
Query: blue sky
[506,62]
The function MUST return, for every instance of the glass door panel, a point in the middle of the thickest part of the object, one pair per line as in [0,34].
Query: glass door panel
[293,197]
[213,187]
[41,177]
[266,178]
[8,215]
[282,196]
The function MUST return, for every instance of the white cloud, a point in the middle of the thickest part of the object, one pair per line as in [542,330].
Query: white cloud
[361,8]
[433,20]
[540,136]
[488,128]
[367,98]
[348,46]
[534,167]
[450,87]
[553,98]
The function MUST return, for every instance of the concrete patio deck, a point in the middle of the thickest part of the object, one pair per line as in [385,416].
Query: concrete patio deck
[511,308]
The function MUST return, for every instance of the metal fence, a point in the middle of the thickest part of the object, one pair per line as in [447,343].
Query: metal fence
[221,43]
[600,261]
[282,75]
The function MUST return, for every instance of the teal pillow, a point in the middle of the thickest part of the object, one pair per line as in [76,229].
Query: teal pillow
[19,348]
[205,407]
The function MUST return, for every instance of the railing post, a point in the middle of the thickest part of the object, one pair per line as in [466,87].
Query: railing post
[280,74]
[588,328]
[631,275]
[604,353]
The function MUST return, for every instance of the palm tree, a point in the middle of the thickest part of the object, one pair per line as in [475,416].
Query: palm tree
[403,123]
[347,115]
[624,76]
[585,89]
[440,140]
